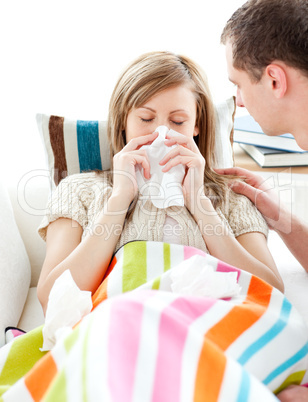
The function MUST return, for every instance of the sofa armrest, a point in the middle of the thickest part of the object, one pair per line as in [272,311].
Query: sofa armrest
[32,315]
[29,197]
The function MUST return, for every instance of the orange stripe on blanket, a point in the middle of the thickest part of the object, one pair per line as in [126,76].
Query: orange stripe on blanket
[111,266]
[101,293]
[241,317]
[212,361]
[259,292]
[210,373]
[39,378]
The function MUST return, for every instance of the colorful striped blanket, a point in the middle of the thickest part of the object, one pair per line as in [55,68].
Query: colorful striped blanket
[143,342]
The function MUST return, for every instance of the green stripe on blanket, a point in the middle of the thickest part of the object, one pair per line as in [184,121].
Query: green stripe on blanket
[71,340]
[167,265]
[23,354]
[167,257]
[58,391]
[134,269]
[294,378]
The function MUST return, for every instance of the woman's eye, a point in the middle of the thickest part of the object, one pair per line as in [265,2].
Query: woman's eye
[178,123]
[146,120]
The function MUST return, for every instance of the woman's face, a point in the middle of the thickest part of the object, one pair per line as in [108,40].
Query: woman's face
[175,108]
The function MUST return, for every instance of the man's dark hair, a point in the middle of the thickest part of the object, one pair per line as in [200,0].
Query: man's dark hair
[262,31]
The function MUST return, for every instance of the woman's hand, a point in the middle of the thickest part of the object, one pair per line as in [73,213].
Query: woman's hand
[186,153]
[124,165]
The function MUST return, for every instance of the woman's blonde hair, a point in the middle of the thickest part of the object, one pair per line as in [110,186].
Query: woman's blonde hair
[150,74]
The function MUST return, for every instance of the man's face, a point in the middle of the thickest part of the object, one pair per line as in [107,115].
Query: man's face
[255,96]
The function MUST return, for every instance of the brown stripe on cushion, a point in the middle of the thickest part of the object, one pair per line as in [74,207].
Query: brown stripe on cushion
[56,135]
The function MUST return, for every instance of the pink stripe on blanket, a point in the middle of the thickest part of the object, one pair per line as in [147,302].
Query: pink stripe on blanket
[123,344]
[176,318]
[17,332]
[221,266]
[191,251]
[224,267]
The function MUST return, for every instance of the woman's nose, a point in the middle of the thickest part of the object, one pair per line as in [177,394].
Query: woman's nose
[239,100]
[163,122]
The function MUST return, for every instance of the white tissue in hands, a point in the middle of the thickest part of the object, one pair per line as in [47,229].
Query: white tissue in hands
[164,189]
[195,277]
[67,305]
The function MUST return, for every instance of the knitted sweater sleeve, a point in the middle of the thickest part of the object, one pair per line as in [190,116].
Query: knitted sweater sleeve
[244,217]
[73,198]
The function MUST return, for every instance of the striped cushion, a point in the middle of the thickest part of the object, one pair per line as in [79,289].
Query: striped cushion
[74,146]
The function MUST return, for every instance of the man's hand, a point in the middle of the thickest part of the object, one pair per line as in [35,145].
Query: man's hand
[293,393]
[262,195]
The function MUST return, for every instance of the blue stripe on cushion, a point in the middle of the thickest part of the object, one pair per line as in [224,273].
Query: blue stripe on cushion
[88,145]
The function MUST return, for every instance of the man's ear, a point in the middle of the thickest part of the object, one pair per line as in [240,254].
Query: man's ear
[278,79]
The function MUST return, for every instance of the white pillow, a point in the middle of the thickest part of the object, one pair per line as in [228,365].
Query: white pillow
[225,112]
[15,270]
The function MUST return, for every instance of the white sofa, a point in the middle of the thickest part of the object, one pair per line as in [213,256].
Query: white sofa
[29,197]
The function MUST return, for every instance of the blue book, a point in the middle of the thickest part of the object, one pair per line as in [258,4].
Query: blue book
[248,131]
[270,157]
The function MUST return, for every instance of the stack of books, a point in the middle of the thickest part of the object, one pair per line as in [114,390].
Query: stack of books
[267,151]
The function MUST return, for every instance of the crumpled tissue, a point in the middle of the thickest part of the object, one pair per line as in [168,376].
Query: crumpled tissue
[196,277]
[67,305]
[164,189]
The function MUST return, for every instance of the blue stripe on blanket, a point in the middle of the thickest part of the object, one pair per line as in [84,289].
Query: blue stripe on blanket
[244,391]
[88,145]
[269,335]
[287,364]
